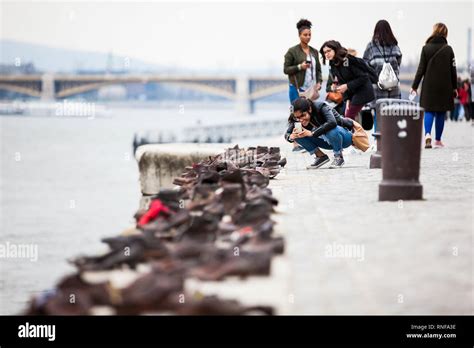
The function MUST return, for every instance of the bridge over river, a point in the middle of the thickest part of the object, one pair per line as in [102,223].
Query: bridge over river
[243,90]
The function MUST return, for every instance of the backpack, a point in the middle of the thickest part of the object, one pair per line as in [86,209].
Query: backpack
[387,77]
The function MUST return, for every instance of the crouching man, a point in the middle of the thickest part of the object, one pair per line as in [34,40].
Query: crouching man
[315,125]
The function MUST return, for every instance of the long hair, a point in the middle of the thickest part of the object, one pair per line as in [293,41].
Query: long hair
[383,34]
[340,52]
[299,104]
[439,29]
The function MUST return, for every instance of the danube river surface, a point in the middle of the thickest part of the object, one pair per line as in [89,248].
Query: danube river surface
[66,182]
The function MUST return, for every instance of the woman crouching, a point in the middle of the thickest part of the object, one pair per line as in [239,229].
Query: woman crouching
[315,125]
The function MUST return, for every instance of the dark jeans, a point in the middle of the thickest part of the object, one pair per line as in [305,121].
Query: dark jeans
[454,114]
[292,93]
[336,139]
[467,111]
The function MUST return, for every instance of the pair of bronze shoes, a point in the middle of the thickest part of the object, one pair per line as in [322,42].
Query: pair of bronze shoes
[232,262]
[72,296]
[125,250]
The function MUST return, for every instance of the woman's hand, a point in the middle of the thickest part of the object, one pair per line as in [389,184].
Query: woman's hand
[304,65]
[413,91]
[455,93]
[342,88]
[334,87]
[294,135]
[318,86]
[348,104]
[305,133]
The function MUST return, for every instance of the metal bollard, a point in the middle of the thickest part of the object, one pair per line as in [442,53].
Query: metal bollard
[401,126]
[376,158]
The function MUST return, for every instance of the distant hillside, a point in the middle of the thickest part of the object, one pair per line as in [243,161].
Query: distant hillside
[55,59]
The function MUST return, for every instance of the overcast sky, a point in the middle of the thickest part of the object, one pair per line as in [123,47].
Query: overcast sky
[232,34]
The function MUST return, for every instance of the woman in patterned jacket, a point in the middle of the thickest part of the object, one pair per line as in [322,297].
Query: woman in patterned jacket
[384,48]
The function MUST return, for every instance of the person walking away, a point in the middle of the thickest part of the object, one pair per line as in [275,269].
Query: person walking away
[471,101]
[383,54]
[464,99]
[455,115]
[437,67]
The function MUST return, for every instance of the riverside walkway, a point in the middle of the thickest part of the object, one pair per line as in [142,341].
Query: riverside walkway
[347,253]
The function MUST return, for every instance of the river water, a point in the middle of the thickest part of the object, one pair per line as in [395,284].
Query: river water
[66,182]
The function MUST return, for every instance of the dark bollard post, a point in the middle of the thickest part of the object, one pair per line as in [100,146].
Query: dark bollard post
[376,158]
[401,127]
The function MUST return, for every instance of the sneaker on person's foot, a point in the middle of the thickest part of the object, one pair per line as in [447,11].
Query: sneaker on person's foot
[297,148]
[338,162]
[438,144]
[318,162]
[428,141]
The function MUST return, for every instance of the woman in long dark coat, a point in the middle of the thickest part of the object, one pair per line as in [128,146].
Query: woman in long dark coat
[437,67]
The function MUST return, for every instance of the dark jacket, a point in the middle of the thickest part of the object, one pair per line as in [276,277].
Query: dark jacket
[439,79]
[293,57]
[350,72]
[323,119]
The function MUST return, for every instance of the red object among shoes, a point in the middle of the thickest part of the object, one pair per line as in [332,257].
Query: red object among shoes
[156,208]
[245,230]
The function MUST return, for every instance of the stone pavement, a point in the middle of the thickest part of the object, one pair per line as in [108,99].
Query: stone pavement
[347,253]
